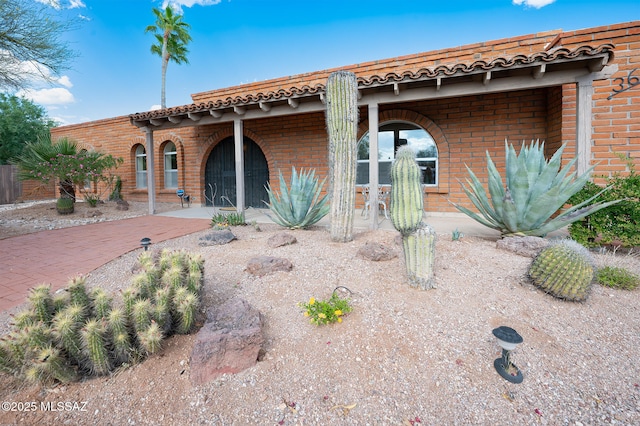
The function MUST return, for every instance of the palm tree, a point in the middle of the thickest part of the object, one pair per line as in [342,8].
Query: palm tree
[38,161]
[172,36]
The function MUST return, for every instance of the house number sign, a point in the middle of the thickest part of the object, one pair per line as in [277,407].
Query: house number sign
[625,83]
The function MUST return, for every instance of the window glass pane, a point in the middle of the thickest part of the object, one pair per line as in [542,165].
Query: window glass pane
[141,167]
[170,166]
[391,136]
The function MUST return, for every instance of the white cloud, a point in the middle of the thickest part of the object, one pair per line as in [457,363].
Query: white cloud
[65,81]
[54,96]
[533,3]
[53,3]
[73,4]
[177,4]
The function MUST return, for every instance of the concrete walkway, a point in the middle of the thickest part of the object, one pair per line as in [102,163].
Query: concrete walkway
[53,257]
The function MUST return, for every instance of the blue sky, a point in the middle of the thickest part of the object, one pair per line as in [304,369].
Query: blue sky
[242,41]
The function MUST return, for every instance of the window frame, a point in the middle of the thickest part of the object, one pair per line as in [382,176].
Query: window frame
[170,174]
[423,162]
[141,167]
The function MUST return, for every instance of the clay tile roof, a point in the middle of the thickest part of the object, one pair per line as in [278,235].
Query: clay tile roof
[404,69]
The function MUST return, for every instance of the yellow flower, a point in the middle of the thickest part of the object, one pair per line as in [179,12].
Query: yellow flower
[306,314]
[339,319]
[312,300]
[338,313]
[321,315]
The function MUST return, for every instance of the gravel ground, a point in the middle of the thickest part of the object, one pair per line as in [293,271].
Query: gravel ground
[402,357]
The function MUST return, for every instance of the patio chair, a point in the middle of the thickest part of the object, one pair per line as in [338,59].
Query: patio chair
[382,201]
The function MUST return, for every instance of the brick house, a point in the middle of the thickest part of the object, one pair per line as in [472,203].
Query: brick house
[452,105]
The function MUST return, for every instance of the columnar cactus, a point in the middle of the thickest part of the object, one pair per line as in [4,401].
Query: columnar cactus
[564,270]
[406,209]
[407,205]
[342,125]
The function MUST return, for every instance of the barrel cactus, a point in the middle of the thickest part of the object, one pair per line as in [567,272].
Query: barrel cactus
[342,126]
[418,238]
[564,270]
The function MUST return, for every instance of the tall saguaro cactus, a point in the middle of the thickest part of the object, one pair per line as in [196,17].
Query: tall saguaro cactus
[418,238]
[342,126]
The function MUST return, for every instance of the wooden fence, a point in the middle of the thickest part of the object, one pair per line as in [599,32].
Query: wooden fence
[10,185]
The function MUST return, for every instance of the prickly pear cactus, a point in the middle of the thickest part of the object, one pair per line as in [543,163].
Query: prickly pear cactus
[407,205]
[342,125]
[564,270]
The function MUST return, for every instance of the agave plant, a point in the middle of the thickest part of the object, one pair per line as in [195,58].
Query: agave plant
[298,206]
[535,189]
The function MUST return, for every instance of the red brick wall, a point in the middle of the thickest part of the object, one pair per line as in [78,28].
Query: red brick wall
[464,128]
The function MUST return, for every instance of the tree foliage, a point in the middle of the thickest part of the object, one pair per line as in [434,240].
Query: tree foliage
[21,121]
[63,161]
[30,44]
[172,36]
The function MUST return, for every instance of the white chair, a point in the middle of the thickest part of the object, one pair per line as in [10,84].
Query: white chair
[382,201]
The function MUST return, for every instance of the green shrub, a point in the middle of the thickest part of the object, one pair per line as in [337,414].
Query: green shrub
[222,220]
[616,224]
[326,311]
[92,199]
[617,277]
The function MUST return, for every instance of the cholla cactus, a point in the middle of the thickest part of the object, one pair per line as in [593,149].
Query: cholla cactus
[186,305]
[564,270]
[41,303]
[67,332]
[406,209]
[51,366]
[78,292]
[101,303]
[51,339]
[95,346]
[151,338]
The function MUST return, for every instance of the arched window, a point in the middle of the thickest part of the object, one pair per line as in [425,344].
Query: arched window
[170,166]
[141,167]
[391,136]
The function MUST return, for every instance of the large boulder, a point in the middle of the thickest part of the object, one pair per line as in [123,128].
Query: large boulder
[230,341]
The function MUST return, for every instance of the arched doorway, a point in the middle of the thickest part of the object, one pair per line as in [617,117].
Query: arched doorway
[220,173]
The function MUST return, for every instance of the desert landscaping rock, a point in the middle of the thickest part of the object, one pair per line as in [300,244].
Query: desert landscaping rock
[377,252]
[267,265]
[524,246]
[216,238]
[401,354]
[122,205]
[230,341]
[281,239]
